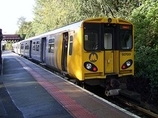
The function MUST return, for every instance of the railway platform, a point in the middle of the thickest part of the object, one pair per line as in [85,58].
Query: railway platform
[29,91]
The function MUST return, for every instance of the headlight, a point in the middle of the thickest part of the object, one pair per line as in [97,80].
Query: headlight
[88,66]
[127,64]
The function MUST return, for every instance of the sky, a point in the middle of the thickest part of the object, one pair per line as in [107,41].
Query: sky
[11,11]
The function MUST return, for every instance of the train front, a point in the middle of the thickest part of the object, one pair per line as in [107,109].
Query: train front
[108,52]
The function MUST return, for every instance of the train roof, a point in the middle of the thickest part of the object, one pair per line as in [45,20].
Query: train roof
[79,24]
[62,29]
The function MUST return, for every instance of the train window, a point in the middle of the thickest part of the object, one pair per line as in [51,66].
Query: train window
[26,47]
[51,48]
[126,39]
[33,47]
[51,45]
[91,40]
[37,46]
[51,41]
[71,45]
[107,40]
[22,46]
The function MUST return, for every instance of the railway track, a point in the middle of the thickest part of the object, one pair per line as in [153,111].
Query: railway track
[143,112]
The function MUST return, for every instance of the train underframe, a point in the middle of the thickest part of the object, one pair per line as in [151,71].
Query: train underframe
[112,84]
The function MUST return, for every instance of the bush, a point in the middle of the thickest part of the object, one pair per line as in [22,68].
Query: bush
[145,20]
[146,67]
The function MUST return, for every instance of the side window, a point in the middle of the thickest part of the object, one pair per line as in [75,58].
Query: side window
[26,46]
[51,45]
[33,46]
[91,40]
[107,40]
[22,46]
[37,46]
[71,45]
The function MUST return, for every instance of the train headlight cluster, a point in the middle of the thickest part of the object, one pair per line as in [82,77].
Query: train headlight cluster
[91,67]
[127,64]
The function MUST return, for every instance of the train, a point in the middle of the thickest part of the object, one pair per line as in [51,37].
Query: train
[94,51]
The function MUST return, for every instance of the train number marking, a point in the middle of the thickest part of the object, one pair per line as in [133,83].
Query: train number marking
[126,54]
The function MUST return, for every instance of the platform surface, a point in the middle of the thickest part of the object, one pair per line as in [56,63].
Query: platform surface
[29,91]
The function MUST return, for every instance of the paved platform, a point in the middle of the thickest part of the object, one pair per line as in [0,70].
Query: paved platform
[29,91]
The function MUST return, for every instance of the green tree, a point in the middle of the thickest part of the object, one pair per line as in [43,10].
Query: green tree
[109,8]
[51,14]
[25,28]
[145,20]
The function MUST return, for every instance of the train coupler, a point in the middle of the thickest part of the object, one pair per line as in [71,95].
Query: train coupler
[112,92]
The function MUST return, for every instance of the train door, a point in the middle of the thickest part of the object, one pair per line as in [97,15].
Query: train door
[109,52]
[64,51]
[43,50]
[30,49]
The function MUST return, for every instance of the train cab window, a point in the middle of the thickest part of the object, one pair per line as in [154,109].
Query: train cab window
[90,40]
[51,46]
[126,39]
[107,40]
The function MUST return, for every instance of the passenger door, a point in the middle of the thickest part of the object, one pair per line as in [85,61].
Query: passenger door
[43,50]
[64,51]
[109,52]
[30,49]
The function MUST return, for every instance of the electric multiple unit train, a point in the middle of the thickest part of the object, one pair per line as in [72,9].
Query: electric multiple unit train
[95,51]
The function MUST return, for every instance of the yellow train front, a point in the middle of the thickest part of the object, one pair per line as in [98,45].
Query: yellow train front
[100,52]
